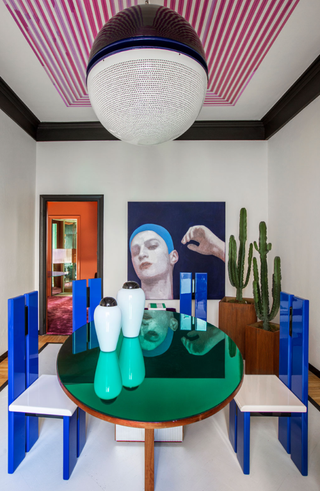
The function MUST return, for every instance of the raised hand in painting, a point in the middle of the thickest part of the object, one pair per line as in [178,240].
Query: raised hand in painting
[201,342]
[209,243]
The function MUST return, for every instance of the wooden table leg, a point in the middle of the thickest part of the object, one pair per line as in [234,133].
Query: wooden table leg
[149,460]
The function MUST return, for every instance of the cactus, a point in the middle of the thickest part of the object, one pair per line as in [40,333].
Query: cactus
[236,269]
[261,289]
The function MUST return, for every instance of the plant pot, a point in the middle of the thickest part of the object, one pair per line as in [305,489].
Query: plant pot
[262,349]
[234,317]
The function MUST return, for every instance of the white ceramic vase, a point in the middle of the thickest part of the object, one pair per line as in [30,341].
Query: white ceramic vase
[107,322]
[131,300]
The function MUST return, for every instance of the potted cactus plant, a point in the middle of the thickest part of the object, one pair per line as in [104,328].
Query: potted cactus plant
[262,338]
[235,313]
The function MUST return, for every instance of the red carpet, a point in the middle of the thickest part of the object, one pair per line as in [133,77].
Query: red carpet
[60,315]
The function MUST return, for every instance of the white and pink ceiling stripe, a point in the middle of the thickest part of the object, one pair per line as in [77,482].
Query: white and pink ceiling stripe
[236,36]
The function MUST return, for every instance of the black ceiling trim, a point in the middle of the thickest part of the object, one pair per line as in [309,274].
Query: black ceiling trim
[13,106]
[200,130]
[300,94]
[78,131]
[224,130]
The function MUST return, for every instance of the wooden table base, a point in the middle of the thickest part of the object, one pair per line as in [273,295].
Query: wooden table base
[149,460]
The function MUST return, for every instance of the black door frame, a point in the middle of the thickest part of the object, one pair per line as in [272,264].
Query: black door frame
[44,199]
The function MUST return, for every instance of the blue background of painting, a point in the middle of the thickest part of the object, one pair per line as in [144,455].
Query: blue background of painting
[177,218]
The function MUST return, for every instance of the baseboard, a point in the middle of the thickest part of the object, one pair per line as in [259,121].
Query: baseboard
[314,370]
[314,403]
[3,385]
[4,356]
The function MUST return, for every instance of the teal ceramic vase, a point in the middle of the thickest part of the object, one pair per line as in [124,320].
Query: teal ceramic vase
[131,362]
[107,380]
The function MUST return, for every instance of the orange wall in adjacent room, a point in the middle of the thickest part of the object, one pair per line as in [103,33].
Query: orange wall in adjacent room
[86,212]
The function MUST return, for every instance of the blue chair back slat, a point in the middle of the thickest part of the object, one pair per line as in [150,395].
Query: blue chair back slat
[285,339]
[95,295]
[300,348]
[201,296]
[32,362]
[185,293]
[32,365]
[16,348]
[79,304]
[293,371]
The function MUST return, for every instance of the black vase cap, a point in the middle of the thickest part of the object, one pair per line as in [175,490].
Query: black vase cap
[108,302]
[130,285]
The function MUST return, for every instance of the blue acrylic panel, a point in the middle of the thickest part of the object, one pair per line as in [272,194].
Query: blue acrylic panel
[186,322]
[285,345]
[81,430]
[16,380]
[70,424]
[16,440]
[80,340]
[233,424]
[79,304]
[299,441]
[185,293]
[31,300]
[92,336]
[94,296]
[285,361]
[300,348]
[32,362]
[243,441]
[201,296]
[16,348]
[284,432]
[299,385]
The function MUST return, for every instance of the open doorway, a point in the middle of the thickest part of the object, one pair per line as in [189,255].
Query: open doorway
[71,247]
[64,257]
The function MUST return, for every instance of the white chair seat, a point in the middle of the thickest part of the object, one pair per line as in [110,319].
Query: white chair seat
[266,393]
[44,396]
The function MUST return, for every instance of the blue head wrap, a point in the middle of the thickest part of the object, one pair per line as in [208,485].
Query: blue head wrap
[164,234]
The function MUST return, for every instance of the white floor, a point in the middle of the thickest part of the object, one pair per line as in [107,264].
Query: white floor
[204,461]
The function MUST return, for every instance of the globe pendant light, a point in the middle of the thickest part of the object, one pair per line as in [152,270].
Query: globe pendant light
[147,75]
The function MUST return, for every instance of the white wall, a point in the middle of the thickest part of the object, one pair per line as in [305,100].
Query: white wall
[17,216]
[294,208]
[235,172]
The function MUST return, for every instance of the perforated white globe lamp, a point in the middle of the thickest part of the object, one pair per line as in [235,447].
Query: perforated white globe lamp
[147,75]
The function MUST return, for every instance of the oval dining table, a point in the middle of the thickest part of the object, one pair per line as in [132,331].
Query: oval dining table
[191,370]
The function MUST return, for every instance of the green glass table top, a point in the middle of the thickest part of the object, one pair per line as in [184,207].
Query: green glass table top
[179,367]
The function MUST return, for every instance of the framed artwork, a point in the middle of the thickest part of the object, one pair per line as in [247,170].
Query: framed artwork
[166,238]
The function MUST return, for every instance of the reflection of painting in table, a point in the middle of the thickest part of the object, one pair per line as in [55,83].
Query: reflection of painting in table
[177,363]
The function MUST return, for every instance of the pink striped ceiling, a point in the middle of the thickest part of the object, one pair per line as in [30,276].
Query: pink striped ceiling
[236,36]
